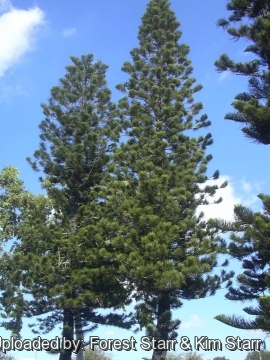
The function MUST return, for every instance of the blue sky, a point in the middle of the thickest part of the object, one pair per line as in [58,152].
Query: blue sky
[37,39]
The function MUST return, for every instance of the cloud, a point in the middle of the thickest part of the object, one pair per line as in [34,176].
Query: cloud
[69,32]
[223,76]
[246,186]
[194,322]
[255,187]
[225,209]
[17,32]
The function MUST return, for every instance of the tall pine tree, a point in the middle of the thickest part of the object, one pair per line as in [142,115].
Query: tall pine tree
[158,178]
[60,259]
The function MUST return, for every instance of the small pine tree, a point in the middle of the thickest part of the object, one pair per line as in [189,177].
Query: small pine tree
[60,260]
[252,247]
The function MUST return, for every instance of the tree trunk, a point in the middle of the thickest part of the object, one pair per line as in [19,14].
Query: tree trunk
[79,333]
[162,327]
[67,334]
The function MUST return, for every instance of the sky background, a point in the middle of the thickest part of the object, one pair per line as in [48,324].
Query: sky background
[36,42]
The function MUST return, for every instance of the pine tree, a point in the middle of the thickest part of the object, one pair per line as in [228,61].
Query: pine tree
[252,110]
[157,181]
[75,161]
[14,202]
[252,107]
[252,247]
[61,260]
[256,355]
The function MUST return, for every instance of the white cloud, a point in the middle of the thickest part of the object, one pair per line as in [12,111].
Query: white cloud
[17,32]
[246,186]
[27,359]
[223,76]
[69,32]
[225,209]
[251,200]
[194,322]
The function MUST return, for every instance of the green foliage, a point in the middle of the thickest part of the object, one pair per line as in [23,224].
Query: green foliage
[252,107]
[152,189]
[94,239]
[250,231]
[11,196]
[58,257]
[17,208]
[6,357]
[250,243]
[74,134]
[255,355]
[220,358]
